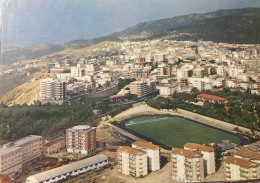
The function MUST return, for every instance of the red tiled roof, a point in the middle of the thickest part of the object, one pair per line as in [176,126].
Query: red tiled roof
[186,153]
[199,147]
[145,145]
[248,154]
[240,162]
[5,179]
[130,150]
[212,97]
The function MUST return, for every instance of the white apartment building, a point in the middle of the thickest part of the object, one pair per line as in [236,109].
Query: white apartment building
[15,155]
[142,88]
[241,169]
[132,161]
[248,155]
[208,156]
[52,89]
[153,153]
[187,165]
[168,90]
[81,139]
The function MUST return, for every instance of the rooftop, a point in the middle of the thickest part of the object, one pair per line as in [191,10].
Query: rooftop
[241,162]
[146,145]
[5,179]
[186,153]
[199,147]
[27,139]
[248,154]
[213,97]
[69,168]
[130,150]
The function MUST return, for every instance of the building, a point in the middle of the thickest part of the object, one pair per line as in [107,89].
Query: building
[142,88]
[16,155]
[51,89]
[116,99]
[187,165]
[5,179]
[208,156]
[241,169]
[132,161]
[153,153]
[211,98]
[168,90]
[54,146]
[81,139]
[71,170]
[248,155]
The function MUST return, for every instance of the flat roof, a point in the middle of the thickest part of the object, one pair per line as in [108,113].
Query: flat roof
[199,147]
[146,145]
[4,151]
[248,154]
[69,168]
[241,162]
[27,139]
[186,153]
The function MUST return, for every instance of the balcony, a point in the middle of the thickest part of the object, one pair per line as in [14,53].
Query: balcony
[228,171]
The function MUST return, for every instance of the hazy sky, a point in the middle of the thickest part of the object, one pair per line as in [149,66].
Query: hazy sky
[28,22]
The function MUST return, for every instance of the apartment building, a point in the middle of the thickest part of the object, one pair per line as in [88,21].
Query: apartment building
[142,88]
[52,89]
[15,155]
[54,146]
[187,165]
[153,153]
[248,155]
[168,90]
[132,161]
[208,156]
[241,169]
[81,139]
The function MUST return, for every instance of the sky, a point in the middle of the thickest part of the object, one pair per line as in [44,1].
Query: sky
[31,22]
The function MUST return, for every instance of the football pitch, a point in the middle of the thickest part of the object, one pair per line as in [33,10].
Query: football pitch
[175,132]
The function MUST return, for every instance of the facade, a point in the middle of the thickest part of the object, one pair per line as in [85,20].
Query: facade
[241,169]
[153,153]
[142,88]
[71,170]
[51,89]
[208,156]
[132,161]
[116,99]
[168,90]
[211,98]
[54,146]
[187,165]
[81,139]
[15,155]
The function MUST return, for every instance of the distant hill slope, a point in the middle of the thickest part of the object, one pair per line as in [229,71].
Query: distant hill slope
[230,26]
[11,55]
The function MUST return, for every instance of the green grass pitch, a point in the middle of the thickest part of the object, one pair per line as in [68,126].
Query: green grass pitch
[176,132]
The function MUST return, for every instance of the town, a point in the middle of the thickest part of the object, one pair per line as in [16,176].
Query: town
[123,73]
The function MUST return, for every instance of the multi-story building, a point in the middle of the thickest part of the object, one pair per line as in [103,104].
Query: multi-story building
[168,90]
[142,88]
[241,169]
[54,146]
[116,99]
[208,156]
[81,139]
[51,89]
[248,155]
[187,165]
[132,161]
[153,153]
[15,155]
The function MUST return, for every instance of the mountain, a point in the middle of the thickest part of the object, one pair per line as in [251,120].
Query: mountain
[229,26]
[14,54]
